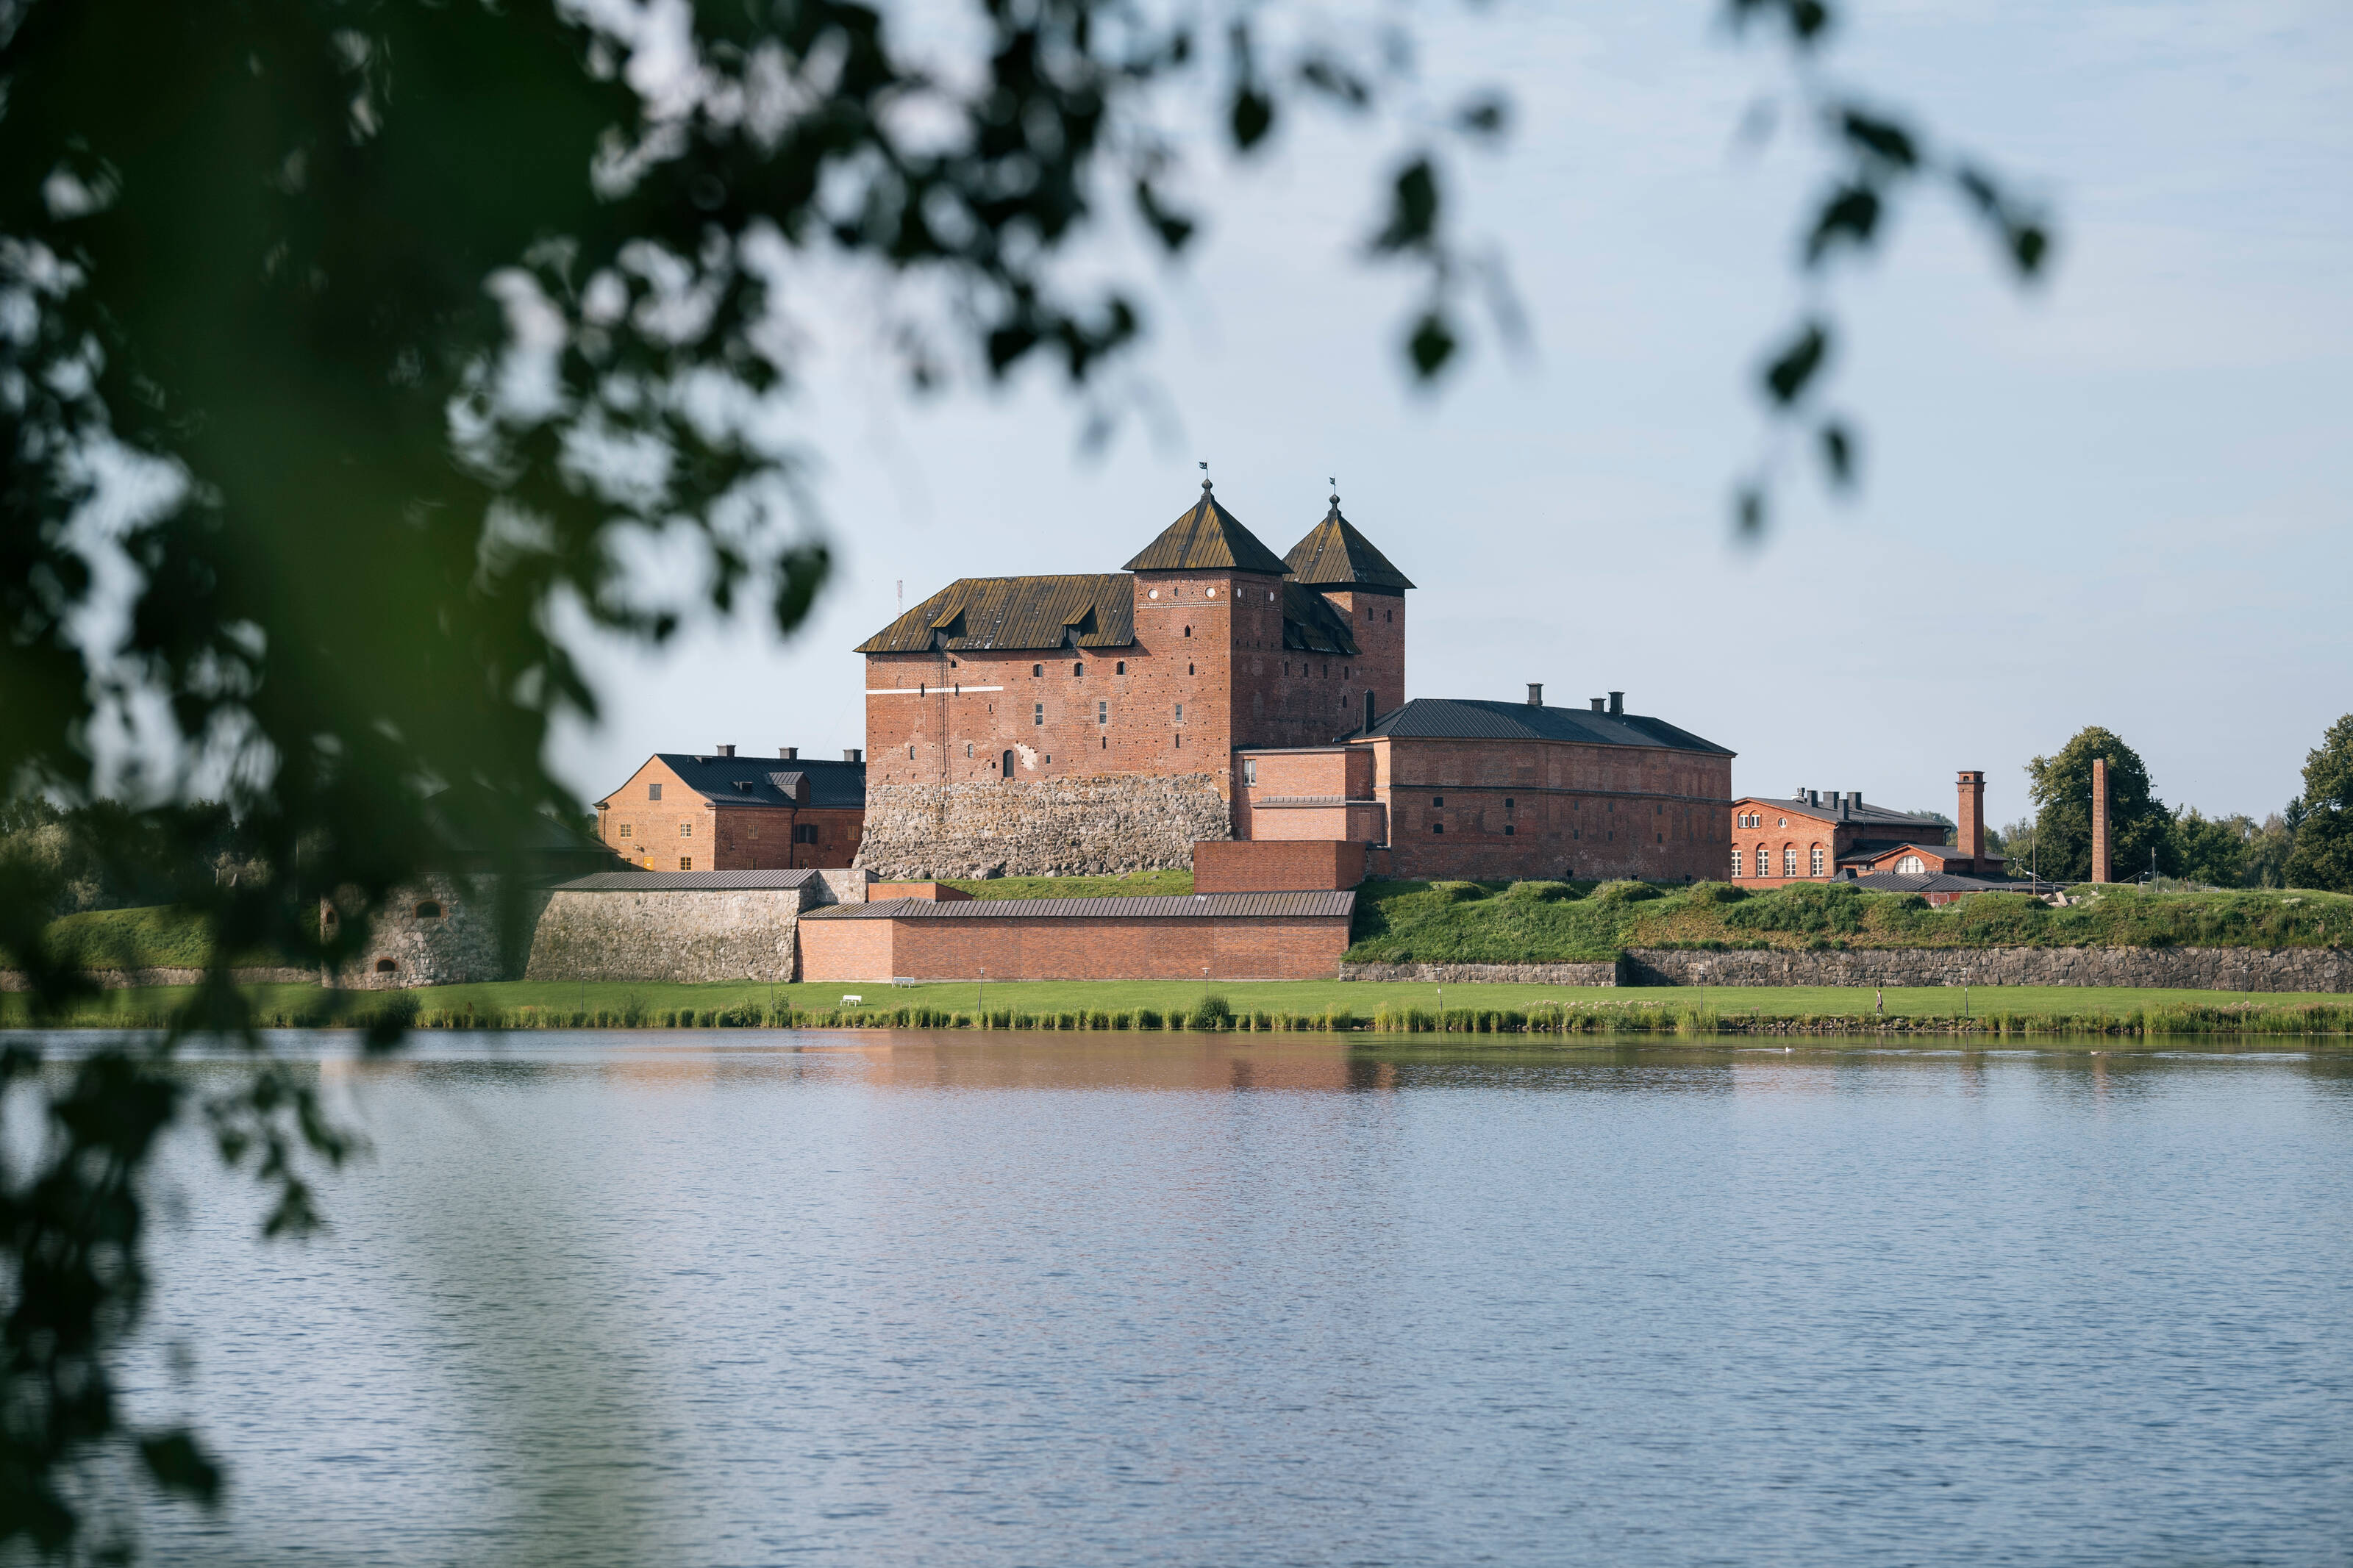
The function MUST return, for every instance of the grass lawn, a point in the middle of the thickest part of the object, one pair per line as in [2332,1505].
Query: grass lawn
[1307,996]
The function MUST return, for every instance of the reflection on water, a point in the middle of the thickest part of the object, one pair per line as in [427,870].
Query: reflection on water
[745,1298]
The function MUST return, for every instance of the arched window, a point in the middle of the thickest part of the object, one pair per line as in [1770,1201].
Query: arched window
[1006,764]
[1035,671]
[429,908]
[386,966]
[1764,861]
[1739,861]
[1911,866]
[1816,861]
[1080,668]
[1120,669]
[1789,860]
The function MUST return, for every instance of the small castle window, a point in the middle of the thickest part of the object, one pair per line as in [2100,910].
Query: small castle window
[1079,669]
[805,833]
[1120,669]
[752,830]
[1102,713]
[625,830]
[429,910]
[1437,827]
[1189,669]
[686,862]
[1387,616]
[653,792]
[1249,770]
[1037,669]
[1188,631]
[1037,713]
[386,966]
[1507,803]
[911,753]
[686,830]
[1507,830]
[1438,800]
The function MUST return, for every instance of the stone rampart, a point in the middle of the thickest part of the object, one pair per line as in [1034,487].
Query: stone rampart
[1604,974]
[138,979]
[1052,827]
[742,934]
[2164,968]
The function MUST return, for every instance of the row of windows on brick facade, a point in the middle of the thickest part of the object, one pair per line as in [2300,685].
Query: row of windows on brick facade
[803,833]
[1814,861]
[1438,802]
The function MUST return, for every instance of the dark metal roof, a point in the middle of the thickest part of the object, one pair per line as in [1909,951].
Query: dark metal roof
[1197,906]
[1439,718]
[765,781]
[1872,816]
[685,881]
[1313,624]
[1097,610]
[1208,537]
[1333,554]
[1947,882]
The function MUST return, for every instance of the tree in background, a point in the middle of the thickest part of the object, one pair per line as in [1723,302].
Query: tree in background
[2214,850]
[2061,786]
[2323,852]
[414,318]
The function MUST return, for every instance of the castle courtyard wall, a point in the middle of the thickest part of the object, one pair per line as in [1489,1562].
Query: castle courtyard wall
[1094,825]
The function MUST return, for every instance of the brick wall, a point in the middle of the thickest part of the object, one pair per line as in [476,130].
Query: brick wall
[1262,866]
[1093,947]
[1528,809]
[1308,794]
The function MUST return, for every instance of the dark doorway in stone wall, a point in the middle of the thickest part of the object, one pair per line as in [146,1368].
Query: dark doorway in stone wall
[1004,766]
[1368,710]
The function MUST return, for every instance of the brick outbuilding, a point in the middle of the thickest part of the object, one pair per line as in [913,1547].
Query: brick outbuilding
[715,811]
[1213,936]
[1813,837]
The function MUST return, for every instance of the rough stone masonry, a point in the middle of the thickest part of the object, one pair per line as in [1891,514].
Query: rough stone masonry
[1054,827]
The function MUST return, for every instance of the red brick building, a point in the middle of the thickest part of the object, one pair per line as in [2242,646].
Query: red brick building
[1810,837]
[1206,641]
[1205,936]
[719,812]
[1502,790]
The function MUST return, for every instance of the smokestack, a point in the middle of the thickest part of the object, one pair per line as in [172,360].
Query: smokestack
[1535,693]
[788,753]
[853,754]
[1598,705]
[726,750]
[2099,820]
[1971,818]
[1617,702]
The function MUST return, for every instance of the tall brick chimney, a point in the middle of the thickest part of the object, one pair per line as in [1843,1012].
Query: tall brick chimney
[1971,833]
[2100,819]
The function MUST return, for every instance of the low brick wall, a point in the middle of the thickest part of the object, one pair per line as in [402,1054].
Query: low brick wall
[1266,865]
[1075,947]
[2164,968]
[1486,973]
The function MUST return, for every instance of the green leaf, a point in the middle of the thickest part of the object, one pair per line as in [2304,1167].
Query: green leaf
[1431,345]
[1413,209]
[179,1464]
[1882,139]
[1794,368]
[1253,116]
[1850,216]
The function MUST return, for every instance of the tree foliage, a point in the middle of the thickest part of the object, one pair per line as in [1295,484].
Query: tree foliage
[2322,854]
[413,319]
[2061,786]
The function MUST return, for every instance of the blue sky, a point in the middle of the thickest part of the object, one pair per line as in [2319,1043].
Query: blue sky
[2118,499]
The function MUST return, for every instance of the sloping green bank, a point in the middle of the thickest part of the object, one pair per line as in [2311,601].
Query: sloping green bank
[1561,922]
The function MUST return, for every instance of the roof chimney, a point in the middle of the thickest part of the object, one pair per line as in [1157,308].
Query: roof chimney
[1840,802]
[1617,702]
[1597,705]
[788,753]
[1535,693]
[726,750]
[1813,797]
[853,754]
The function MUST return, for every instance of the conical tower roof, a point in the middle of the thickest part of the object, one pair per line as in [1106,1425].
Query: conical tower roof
[1335,555]
[1208,538]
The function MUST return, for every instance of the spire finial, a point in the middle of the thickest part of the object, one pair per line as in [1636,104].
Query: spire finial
[1334,483]
[1205,476]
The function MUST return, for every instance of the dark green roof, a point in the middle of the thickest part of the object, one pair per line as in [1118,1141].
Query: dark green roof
[1335,555]
[1208,538]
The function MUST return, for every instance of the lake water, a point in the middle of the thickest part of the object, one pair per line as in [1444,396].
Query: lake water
[748,1299]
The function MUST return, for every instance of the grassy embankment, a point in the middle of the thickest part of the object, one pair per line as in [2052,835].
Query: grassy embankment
[1554,923]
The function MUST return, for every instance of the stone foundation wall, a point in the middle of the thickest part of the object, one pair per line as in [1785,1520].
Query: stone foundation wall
[2168,968]
[732,934]
[1604,974]
[459,946]
[1053,827]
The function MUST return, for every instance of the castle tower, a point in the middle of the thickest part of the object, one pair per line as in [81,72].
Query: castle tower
[1340,565]
[1208,599]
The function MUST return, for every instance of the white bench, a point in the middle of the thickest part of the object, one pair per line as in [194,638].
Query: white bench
[846,1001]
[904,980]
